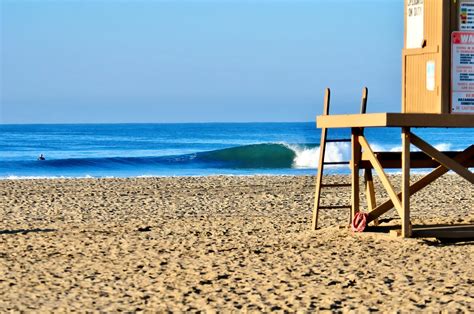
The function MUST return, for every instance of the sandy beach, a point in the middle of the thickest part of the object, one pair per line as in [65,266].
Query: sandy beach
[221,243]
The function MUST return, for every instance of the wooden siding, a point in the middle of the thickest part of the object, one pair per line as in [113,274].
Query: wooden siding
[438,24]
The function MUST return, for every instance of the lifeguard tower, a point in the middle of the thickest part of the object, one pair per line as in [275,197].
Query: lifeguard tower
[437,92]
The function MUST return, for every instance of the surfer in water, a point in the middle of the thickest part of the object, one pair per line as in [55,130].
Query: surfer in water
[41,157]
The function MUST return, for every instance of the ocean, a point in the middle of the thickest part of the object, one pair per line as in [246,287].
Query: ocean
[194,149]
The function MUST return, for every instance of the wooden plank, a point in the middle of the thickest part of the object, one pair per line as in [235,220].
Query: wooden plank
[354,165]
[420,51]
[430,120]
[396,120]
[352,120]
[406,232]
[322,151]
[363,102]
[335,206]
[467,154]
[442,159]
[383,177]
[370,191]
[445,232]
[369,183]
[319,179]
[339,140]
[334,163]
[417,160]
[336,185]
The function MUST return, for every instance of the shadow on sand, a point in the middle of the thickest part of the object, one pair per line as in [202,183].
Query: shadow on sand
[455,234]
[25,231]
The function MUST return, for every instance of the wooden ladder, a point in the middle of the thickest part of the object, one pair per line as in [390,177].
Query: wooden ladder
[322,162]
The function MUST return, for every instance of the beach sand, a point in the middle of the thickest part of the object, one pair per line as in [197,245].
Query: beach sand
[221,243]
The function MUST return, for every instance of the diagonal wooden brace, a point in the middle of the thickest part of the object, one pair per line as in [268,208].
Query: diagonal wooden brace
[462,157]
[395,199]
[442,158]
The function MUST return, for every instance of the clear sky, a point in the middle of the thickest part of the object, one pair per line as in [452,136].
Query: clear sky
[196,61]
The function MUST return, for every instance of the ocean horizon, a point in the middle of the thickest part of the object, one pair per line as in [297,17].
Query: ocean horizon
[187,149]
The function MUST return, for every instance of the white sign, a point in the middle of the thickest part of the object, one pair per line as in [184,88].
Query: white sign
[415,21]
[430,75]
[462,72]
[466,16]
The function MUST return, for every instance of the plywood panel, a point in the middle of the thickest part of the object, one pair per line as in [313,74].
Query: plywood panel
[418,98]
[433,22]
[438,24]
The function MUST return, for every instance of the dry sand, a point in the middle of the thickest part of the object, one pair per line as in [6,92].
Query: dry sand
[220,243]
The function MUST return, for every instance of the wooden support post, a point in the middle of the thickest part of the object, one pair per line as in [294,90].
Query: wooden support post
[406,225]
[370,191]
[355,160]
[369,181]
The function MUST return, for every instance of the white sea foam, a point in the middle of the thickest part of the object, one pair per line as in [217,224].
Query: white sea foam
[309,157]
[13,177]
[443,146]
[440,147]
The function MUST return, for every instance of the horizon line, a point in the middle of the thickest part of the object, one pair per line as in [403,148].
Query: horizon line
[198,122]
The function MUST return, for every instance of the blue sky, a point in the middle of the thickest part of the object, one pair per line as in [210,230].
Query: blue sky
[196,61]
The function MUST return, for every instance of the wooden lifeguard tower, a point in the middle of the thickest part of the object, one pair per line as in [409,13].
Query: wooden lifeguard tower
[437,92]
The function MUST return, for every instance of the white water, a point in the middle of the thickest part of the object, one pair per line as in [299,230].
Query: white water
[308,158]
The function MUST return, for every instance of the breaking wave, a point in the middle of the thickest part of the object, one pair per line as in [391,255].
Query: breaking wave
[270,156]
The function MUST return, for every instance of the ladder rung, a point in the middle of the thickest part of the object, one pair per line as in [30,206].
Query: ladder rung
[335,185]
[336,162]
[338,140]
[335,206]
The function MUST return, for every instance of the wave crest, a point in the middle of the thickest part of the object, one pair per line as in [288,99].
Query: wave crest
[308,157]
[268,155]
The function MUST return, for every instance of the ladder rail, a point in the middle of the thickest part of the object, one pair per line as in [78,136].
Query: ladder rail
[338,140]
[322,150]
[335,206]
[337,163]
[321,162]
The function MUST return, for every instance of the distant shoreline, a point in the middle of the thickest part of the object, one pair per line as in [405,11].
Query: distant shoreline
[394,173]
